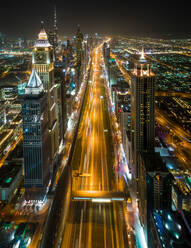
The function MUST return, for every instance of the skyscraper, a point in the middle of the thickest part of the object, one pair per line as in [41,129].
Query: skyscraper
[55,28]
[142,109]
[53,34]
[36,137]
[79,40]
[43,63]
[154,188]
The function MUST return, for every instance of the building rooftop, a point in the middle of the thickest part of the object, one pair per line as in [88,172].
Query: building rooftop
[183,185]
[171,163]
[13,79]
[11,116]
[17,120]
[34,86]
[171,229]
[153,162]
[42,38]
[4,135]
[8,174]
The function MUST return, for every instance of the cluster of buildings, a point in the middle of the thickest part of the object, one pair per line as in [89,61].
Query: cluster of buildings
[170,60]
[36,107]
[158,193]
[10,124]
[45,114]
[178,109]
[14,44]
[35,111]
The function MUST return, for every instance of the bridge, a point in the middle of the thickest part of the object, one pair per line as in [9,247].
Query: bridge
[99,196]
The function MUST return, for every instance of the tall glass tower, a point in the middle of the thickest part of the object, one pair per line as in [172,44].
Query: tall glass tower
[36,137]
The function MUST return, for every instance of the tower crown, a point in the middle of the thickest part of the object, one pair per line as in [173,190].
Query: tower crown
[34,86]
[42,35]
[42,38]
[142,67]
[78,27]
[142,57]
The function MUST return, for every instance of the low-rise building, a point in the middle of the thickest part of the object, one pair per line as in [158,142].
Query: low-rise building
[2,115]
[6,137]
[8,93]
[10,177]
[168,229]
[181,194]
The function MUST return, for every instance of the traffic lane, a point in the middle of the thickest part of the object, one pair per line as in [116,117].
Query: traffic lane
[106,228]
[97,224]
[77,231]
[106,213]
[95,135]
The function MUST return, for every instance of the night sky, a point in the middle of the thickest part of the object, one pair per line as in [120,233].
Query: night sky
[152,18]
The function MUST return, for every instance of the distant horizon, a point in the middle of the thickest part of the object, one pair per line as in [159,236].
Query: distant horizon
[166,36]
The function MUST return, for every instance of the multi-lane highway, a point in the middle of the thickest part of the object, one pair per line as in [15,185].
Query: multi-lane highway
[94,223]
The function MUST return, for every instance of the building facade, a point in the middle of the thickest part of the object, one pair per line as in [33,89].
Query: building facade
[142,111]
[181,194]
[154,188]
[43,63]
[79,41]
[11,176]
[2,115]
[36,135]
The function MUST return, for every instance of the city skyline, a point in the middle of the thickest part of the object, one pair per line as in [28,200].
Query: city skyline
[95,131]
[135,18]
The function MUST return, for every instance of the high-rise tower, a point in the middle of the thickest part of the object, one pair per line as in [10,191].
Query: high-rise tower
[36,137]
[55,28]
[142,109]
[53,34]
[79,40]
[43,63]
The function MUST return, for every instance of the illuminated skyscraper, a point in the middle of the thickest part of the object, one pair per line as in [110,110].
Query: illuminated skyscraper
[43,63]
[51,37]
[53,34]
[55,29]
[79,40]
[142,109]
[36,137]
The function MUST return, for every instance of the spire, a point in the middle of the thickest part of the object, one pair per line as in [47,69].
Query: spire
[34,86]
[55,18]
[55,27]
[142,67]
[42,26]
[142,54]
[78,28]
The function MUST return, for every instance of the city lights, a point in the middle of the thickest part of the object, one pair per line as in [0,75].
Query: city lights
[95,130]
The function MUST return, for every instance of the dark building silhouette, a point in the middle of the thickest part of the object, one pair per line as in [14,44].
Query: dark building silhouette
[79,40]
[154,188]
